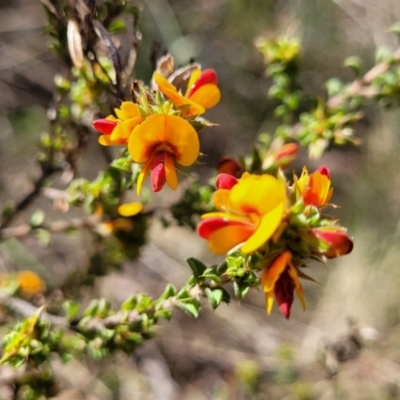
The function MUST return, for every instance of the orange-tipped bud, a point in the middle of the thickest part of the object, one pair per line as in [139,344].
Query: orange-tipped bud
[337,239]
[286,154]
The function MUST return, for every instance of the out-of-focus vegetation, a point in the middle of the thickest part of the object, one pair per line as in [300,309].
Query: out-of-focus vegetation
[227,354]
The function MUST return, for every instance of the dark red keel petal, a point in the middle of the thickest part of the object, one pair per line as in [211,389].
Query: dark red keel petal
[157,175]
[284,293]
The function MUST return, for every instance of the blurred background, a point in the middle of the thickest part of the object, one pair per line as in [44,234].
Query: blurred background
[236,352]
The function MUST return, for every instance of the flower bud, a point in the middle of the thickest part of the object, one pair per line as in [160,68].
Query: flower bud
[337,239]
[286,154]
[324,171]
[225,181]
[227,165]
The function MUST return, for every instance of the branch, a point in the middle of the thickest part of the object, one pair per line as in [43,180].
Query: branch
[360,87]
[55,227]
[27,200]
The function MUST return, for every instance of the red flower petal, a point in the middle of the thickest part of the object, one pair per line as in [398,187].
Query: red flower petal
[225,181]
[157,176]
[284,293]
[104,126]
[324,171]
[207,76]
[206,227]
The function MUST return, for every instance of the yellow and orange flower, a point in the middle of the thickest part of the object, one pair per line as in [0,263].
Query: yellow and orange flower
[116,131]
[316,188]
[282,279]
[161,142]
[250,210]
[202,91]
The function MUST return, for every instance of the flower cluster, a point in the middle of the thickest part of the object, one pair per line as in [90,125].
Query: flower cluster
[280,223]
[159,129]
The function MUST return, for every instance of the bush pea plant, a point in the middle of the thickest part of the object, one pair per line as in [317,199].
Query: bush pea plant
[267,222]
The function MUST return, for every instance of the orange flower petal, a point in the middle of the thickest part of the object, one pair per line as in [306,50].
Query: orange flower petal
[271,275]
[299,289]
[317,190]
[221,199]
[170,91]
[30,283]
[105,140]
[269,301]
[265,230]
[124,129]
[206,96]
[163,84]
[132,110]
[168,133]
[170,172]
[208,226]
[127,110]
[207,76]
[130,209]
[225,239]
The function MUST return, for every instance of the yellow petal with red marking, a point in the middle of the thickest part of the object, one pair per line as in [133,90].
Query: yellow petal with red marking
[257,194]
[160,132]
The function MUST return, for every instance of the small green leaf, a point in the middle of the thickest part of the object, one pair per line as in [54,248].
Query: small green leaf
[240,289]
[169,291]
[210,273]
[196,266]
[163,313]
[190,305]
[353,63]
[214,296]
[129,304]
[70,308]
